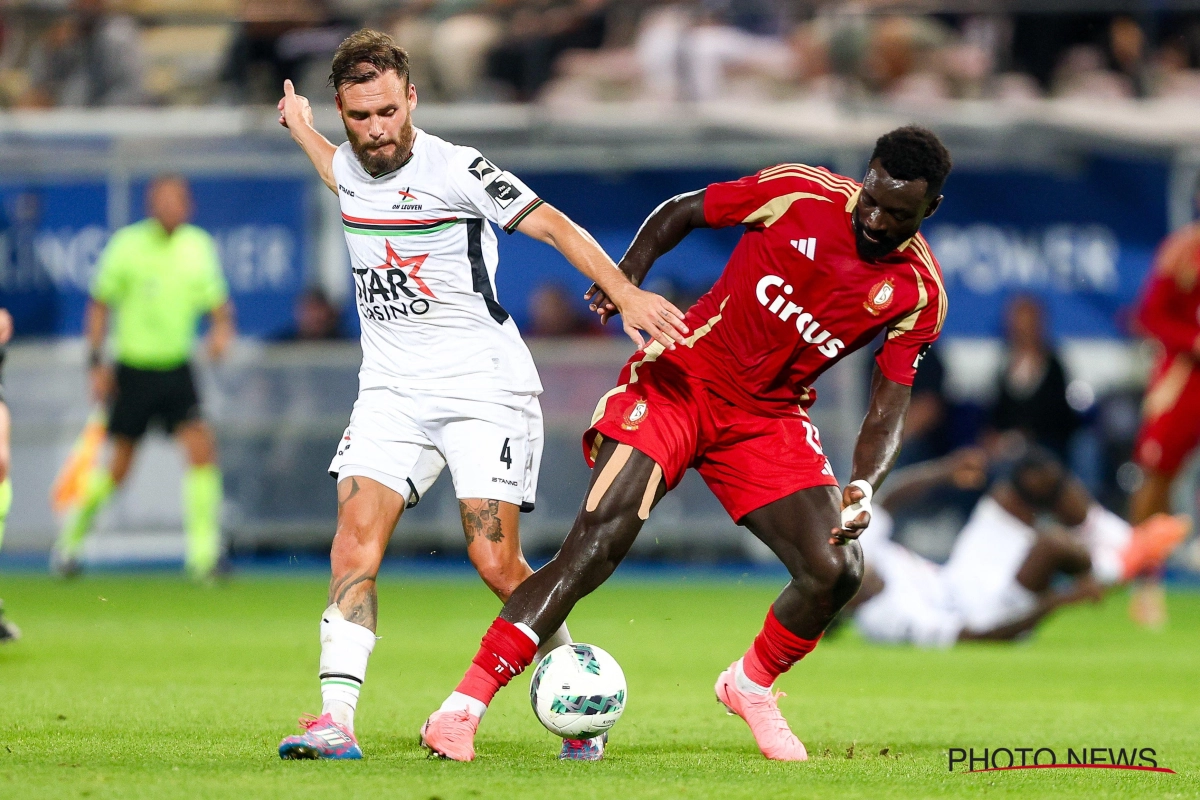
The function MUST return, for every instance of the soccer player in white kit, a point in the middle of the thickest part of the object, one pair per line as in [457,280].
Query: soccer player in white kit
[445,377]
[999,581]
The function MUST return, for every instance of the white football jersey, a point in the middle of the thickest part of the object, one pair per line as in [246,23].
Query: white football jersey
[424,262]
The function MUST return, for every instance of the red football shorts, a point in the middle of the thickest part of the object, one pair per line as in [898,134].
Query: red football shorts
[1170,416]
[747,460]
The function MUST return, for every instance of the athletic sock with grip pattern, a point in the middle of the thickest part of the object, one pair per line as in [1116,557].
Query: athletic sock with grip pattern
[774,651]
[505,652]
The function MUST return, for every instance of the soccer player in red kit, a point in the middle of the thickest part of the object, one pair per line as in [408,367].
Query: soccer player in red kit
[1170,313]
[824,265]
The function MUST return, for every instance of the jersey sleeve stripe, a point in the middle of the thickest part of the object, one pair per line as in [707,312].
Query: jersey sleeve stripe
[819,177]
[921,248]
[525,212]
[771,211]
[910,320]
[817,174]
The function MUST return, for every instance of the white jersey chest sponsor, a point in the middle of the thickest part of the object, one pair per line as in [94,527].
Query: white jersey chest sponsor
[423,260]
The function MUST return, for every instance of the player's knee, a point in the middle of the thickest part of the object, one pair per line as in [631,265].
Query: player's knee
[850,575]
[835,573]
[501,573]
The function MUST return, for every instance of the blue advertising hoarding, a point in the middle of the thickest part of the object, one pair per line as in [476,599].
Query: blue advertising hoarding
[1080,238]
[53,232]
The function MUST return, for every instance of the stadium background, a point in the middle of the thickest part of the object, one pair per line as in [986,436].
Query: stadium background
[1076,140]
[1075,154]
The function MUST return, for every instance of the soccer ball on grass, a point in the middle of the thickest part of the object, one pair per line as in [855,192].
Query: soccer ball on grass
[578,691]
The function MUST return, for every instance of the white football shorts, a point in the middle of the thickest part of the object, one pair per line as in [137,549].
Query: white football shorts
[982,571]
[403,438]
[914,606]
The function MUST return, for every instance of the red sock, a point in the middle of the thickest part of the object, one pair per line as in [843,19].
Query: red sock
[774,651]
[503,655]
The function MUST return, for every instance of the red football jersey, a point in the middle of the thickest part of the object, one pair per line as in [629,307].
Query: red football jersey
[1170,307]
[795,298]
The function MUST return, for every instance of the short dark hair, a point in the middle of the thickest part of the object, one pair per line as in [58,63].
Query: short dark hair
[1038,462]
[364,56]
[914,153]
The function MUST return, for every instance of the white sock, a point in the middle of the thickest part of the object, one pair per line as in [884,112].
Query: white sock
[345,648]
[744,684]
[459,702]
[557,639]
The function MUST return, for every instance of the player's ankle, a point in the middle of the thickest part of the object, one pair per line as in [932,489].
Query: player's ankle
[340,712]
[745,684]
[504,653]
[458,701]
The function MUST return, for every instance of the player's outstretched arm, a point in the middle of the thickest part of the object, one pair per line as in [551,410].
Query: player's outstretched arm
[295,114]
[640,310]
[965,468]
[874,453]
[666,227]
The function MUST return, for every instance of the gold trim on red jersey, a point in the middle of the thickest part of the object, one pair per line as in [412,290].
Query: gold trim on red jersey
[773,210]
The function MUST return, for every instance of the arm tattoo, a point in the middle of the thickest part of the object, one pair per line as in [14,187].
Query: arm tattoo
[347,495]
[481,518]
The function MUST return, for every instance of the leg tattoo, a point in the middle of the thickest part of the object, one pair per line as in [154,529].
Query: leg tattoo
[481,518]
[345,495]
[354,594]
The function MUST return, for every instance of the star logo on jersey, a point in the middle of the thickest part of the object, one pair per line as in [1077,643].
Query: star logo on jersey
[881,296]
[409,269]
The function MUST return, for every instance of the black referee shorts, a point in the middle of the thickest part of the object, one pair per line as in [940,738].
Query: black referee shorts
[143,396]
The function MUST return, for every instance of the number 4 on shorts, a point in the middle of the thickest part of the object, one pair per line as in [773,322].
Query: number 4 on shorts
[506,455]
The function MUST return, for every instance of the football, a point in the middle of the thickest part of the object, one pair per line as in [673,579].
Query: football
[578,691]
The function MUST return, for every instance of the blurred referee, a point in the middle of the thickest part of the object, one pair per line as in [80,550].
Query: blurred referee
[157,278]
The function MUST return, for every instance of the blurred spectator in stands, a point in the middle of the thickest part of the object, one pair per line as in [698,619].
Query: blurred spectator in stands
[901,58]
[1032,392]
[315,317]
[278,40]
[540,31]
[86,58]
[554,311]
[1174,75]
[1127,51]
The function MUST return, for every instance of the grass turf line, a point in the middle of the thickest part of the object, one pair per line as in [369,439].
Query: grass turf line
[149,687]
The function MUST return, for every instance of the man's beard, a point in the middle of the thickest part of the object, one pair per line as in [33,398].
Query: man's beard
[867,249]
[377,163]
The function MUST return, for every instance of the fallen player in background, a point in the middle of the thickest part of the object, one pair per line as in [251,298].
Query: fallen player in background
[1005,571]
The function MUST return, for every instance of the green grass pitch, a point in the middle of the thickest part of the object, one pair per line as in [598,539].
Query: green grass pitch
[149,687]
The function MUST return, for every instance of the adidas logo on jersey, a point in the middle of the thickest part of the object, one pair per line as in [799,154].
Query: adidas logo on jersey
[810,330]
[807,247]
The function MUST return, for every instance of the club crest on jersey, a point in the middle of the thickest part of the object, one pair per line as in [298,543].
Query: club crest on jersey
[634,416]
[880,296]
[408,201]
